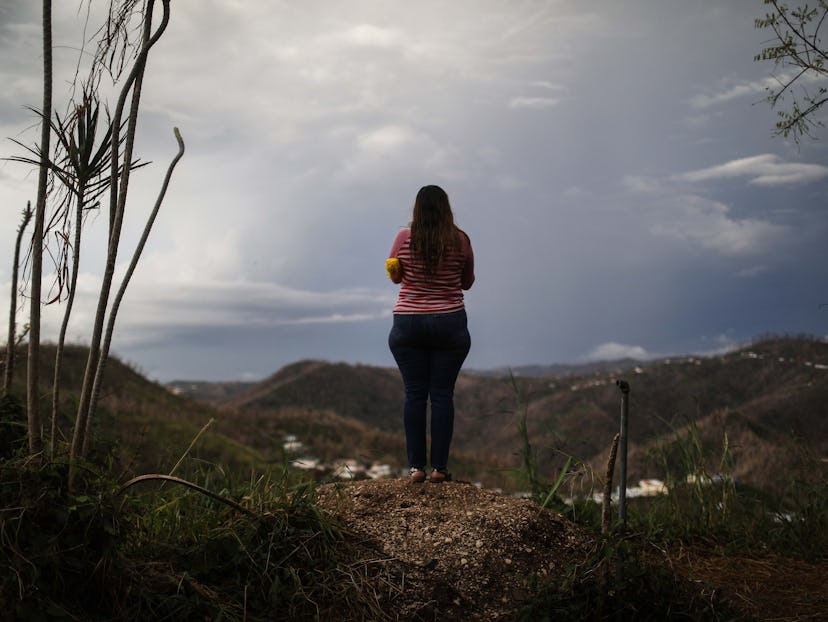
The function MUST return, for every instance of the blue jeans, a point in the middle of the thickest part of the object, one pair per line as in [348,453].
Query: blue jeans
[429,350]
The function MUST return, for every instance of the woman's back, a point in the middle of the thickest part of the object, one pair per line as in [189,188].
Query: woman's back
[440,292]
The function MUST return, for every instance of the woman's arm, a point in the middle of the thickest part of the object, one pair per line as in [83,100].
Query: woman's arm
[402,236]
[467,277]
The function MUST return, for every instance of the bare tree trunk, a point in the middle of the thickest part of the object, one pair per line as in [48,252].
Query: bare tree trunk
[117,205]
[110,327]
[33,379]
[112,253]
[8,372]
[80,198]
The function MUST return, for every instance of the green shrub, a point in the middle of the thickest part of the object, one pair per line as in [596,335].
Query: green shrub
[194,559]
[56,548]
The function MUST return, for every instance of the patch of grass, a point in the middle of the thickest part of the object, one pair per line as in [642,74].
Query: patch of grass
[150,444]
[12,426]
[595,590]
[56,548]
[705,508]
[162,551]
[543,491]
[199,561]
[710,507]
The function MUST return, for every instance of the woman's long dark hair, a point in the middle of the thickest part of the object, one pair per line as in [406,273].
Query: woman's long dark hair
[433,233]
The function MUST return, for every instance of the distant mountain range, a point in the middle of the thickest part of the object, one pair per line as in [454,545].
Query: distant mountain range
[560,369]
[219,391]
[760,413]
[763,409]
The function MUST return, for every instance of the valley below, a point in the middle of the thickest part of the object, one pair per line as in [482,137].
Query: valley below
[726,456]
[759,412]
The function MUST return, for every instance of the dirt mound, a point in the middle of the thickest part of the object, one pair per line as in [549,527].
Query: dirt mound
[461,553]
[454,552]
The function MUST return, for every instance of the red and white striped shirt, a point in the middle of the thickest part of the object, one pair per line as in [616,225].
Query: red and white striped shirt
[443,291]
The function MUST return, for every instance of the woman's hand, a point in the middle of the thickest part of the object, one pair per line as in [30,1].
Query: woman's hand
[394,269]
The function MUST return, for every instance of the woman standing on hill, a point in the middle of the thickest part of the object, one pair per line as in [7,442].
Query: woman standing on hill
[433,260]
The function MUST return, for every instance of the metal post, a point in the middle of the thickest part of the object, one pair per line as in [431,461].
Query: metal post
[622,447]
[622,489]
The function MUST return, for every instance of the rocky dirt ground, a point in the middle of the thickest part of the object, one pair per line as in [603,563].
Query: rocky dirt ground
[771,588]
[456,552]
[466,553]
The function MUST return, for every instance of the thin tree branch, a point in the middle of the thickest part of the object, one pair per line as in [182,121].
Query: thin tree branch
[184,482]
[8,372]
[116,304]
[117,203]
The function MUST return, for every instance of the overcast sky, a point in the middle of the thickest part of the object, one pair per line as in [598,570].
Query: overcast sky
[613,163]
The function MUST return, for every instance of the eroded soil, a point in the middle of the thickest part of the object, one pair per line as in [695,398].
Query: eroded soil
[452,551]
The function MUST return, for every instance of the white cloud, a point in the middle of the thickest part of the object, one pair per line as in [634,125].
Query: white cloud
[508,182]
[310,125]
[533,103]
[707,224]
[612,351]
[751,272]
[577,192]
[386,139]
[730,92]
[642,185]
[763,170]
[246,303]
[368,35]
[395,151]
[153,308]
[720,344]
[545,84]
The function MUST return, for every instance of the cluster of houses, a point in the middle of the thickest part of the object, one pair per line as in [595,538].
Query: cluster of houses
[782,359]
[350,469]
[345,469]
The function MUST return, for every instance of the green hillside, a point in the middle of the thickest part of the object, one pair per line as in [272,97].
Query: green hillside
[771,398]
[768,401]
[368,394]
[145,426]
[242,541]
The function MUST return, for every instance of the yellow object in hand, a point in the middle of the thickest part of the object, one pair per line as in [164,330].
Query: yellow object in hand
[393,267]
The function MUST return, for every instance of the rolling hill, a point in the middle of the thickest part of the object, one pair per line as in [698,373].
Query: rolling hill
[768,401]
[142,424]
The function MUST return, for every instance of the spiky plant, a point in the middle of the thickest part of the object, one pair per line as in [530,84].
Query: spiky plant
[80,163]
